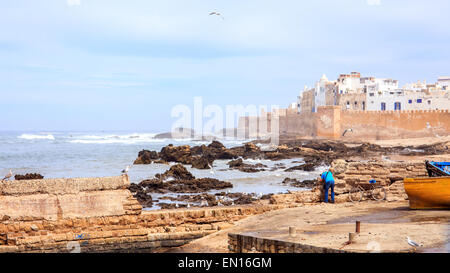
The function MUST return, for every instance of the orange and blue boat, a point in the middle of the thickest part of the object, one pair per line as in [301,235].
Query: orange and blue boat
[431,192]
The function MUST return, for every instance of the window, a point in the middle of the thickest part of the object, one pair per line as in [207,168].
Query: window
[371,94]
[429,102]
[398,106]
[383,106]
[419,100]
[409,101]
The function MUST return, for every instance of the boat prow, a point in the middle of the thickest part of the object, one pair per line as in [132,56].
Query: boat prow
[428,192]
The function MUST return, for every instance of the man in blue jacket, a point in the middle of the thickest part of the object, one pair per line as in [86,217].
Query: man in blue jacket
[328,179]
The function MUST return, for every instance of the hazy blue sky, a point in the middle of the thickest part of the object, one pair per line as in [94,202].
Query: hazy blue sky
[108,65]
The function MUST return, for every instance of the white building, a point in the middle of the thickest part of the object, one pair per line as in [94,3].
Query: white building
[374,94]
[319,92]
[409,100]
[444,82]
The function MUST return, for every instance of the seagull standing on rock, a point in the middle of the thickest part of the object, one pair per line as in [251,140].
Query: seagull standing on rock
[125,171]
[8,176]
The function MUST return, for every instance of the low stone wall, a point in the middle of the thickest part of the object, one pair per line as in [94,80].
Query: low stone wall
[349,173]
[238,243]
[56,199]
[147,231]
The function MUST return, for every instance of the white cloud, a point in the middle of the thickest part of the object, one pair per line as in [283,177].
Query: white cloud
[73,2]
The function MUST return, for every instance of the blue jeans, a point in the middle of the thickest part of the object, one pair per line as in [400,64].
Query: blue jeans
[326,187]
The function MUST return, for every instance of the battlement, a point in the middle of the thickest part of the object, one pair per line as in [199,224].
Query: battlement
[331,122]
[399,112]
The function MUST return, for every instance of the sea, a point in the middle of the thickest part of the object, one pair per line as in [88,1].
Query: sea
[98,154]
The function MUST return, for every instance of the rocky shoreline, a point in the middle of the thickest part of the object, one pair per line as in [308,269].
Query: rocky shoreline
[196,191]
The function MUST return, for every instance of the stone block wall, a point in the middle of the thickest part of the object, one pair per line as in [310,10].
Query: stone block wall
[347,174]
[56,199]
[239,243]
[145,231]
[330,122]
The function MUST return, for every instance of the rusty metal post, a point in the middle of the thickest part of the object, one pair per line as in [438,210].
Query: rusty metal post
[358,226]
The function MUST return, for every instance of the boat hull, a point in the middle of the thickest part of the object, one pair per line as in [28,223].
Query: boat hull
[428,193]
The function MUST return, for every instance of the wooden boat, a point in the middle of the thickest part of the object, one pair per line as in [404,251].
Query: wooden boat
[437,169]
[428,192]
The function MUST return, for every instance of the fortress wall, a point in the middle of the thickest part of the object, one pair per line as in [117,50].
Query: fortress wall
[54,199]
[395,124]
[298,125]
[331,122]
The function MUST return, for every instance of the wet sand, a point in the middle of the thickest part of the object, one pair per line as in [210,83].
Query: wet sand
[384,227]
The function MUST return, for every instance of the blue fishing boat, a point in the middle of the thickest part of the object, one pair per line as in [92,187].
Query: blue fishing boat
[438,169]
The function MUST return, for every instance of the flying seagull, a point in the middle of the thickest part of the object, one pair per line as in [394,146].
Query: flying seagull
[8,176]
[126,169]
[346,131]
[412,243]
[216,13]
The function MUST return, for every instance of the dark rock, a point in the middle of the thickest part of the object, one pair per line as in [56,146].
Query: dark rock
[243,167]
[177,172]
[146,157]
[202,163]
[185,186]
[276,156]
[307,167]
[216,145]
[141,195]
[300,184]
[28,176]
[236,163]
[180,154]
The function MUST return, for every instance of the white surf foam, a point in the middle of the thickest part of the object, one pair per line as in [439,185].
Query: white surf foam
[31,136]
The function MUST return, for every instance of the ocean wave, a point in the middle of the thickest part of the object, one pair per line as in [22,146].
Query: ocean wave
[31,136]
[116,139]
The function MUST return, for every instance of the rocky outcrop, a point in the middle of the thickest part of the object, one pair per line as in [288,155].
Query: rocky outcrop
[180,154]
[175,180]
[28,176]
[239,164]
[314,152]
[300,184]
[178,172]
[307,167]
[146,157]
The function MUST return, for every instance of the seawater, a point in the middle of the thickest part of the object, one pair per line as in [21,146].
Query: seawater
[96,154]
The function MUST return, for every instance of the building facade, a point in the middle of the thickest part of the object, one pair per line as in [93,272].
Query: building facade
[353,92]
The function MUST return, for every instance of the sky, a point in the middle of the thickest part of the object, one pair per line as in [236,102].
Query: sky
[123,65]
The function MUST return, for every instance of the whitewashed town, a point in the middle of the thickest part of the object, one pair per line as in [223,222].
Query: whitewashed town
[355,92]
